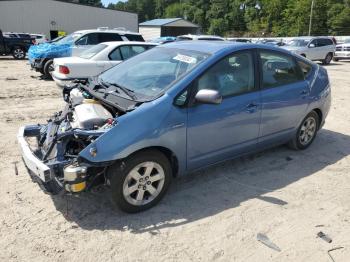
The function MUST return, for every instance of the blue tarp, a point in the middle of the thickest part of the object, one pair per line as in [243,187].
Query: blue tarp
[48,50]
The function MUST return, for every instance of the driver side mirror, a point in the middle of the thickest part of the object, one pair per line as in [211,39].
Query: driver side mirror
[208,96]
[311,45]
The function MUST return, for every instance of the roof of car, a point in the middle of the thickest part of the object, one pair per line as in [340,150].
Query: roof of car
[201,36]
[118,43]
[104,30]
[310,37]
[213,47]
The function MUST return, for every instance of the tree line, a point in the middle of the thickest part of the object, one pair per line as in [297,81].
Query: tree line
[247,17]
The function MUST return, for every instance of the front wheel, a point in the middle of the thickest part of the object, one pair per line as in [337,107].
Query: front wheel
[141,181]
[18,53]
[306,132]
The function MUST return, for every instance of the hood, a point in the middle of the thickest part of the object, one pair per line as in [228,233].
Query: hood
[49,50]
[344,45]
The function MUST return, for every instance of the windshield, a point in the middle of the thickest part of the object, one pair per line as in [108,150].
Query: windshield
[299,42]
[147,75]
[89,53]
[69,38]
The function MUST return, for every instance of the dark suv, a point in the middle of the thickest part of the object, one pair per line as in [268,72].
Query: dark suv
[17,47]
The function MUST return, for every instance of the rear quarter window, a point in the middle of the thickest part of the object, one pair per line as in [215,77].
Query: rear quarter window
[305,67]
[135,38]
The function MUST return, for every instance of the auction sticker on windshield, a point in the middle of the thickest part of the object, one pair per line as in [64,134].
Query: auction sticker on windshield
[185,59]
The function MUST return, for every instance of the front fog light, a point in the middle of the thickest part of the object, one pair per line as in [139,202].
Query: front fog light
[75,178]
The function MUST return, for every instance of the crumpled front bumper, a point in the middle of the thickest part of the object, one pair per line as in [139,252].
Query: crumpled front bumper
[32,162]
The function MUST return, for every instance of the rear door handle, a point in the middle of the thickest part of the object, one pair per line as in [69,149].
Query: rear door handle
[252,108]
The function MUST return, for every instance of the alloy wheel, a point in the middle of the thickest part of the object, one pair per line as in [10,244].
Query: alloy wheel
[143,183]
[307,131]
[18,53]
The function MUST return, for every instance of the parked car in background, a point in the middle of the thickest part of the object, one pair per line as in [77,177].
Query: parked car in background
[314,48]
[174,109]
[241,40]
[164,39]
[41,56]
[17,35]
[342,51]
[272,42]
[200,37]
[15,46]
[39,39]
[95,60]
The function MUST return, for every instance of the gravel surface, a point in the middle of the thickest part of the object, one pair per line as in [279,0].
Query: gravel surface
[212,215]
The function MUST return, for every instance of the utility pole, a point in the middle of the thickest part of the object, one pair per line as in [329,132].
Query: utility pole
[311,11]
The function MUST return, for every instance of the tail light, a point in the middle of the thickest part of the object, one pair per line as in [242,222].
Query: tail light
[63,70]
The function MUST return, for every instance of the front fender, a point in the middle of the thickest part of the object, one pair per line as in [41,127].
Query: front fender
[153,124]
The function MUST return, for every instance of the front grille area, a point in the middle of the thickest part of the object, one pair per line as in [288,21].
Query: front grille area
[343,48]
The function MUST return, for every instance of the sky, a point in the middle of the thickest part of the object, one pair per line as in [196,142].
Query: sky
[106,2]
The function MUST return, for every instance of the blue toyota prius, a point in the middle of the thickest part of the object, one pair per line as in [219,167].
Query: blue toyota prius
[172,110]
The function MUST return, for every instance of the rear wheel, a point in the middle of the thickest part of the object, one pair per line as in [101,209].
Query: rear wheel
[141,181]
[18,53]
[327,59]
[48,69]
[306,133]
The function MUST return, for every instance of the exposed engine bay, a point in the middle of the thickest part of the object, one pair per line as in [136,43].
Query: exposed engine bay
[59,142]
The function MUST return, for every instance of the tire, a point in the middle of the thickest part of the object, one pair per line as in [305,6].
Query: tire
[18,53]
[48,68]
[136,177]
[304,138]
[327,59]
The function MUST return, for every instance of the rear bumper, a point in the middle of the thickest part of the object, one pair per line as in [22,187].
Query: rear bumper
[61,82]
[32,162]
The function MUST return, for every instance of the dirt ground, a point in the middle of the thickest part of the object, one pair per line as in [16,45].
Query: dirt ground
[213,215]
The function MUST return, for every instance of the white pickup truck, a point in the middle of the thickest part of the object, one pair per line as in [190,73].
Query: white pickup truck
[314,48]
[95,60]
[342,51]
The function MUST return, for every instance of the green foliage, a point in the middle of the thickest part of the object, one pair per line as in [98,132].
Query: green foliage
[247,17]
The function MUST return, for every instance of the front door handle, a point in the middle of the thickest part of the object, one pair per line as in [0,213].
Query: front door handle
[251,108]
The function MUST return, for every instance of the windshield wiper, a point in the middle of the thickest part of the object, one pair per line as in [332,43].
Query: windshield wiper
[128,92]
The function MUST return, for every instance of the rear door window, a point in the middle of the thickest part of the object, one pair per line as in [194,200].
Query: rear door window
[89,39]
[115,55]
[109,37]
[128,51]
[278,69]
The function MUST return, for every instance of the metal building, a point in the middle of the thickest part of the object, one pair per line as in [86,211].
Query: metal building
[167,27]
[50,17]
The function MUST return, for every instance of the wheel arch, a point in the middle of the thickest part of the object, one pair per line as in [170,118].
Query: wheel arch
[320,115]
[169,154]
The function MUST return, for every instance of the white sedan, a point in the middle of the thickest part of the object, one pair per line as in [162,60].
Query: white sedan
[95,60]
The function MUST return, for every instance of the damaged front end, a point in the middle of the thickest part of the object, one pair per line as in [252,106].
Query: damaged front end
[51,151]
